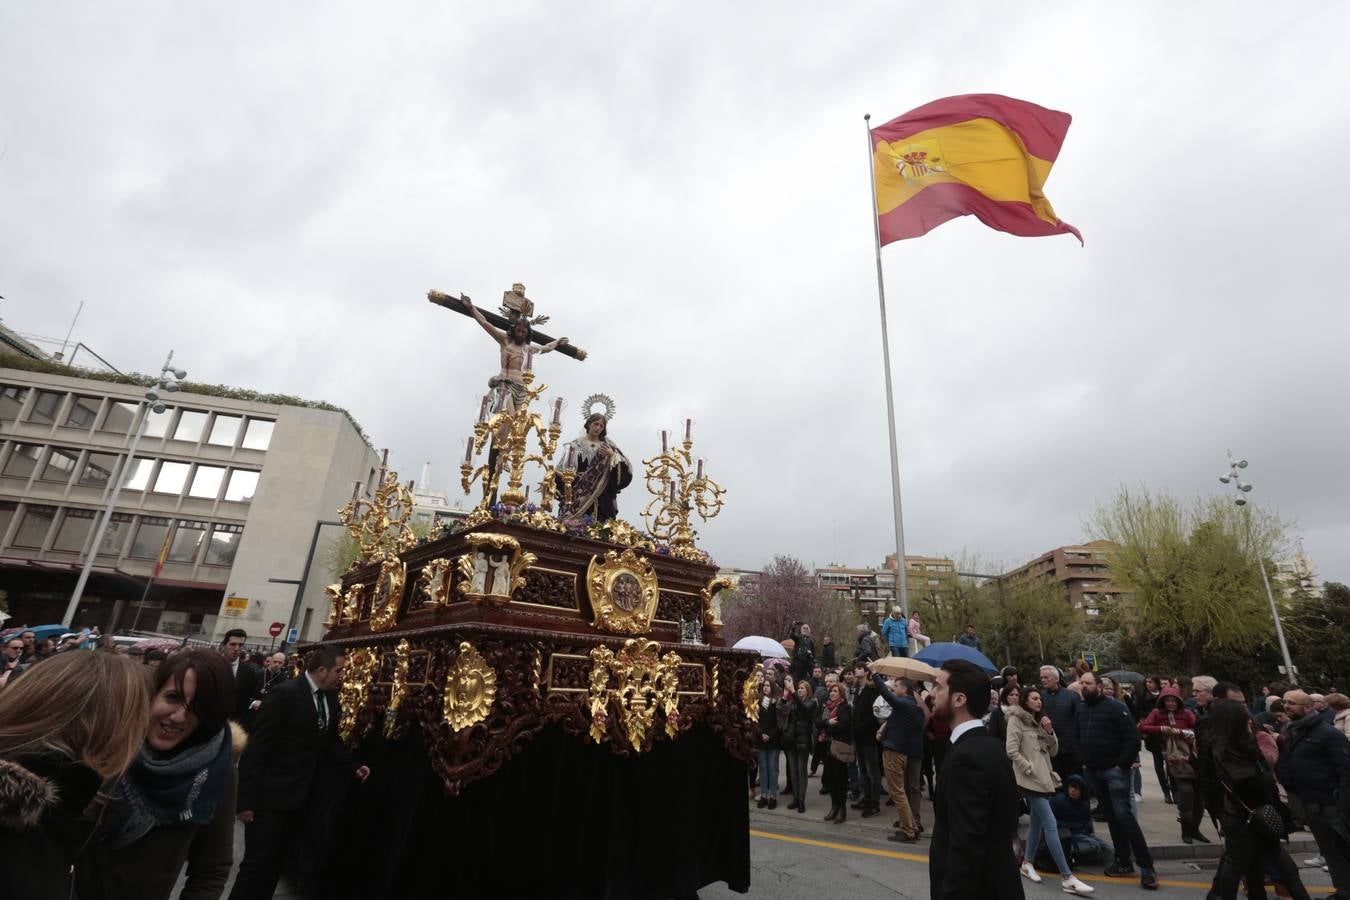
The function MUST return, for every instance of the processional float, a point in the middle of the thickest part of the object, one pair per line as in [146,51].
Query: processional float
[525,651]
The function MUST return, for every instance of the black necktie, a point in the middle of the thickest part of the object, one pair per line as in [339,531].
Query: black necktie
[322,709]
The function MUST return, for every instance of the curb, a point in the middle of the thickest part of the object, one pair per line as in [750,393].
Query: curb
[854,828]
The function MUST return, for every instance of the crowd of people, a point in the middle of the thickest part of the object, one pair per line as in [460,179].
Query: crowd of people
[1072,745]
[123,771]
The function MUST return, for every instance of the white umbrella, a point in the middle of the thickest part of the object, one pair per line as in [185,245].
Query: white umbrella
[905,667]
[762,645]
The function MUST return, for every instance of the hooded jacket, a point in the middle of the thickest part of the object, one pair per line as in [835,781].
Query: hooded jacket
[1155,721]
[1073,815]
[1029,749]
[41,830]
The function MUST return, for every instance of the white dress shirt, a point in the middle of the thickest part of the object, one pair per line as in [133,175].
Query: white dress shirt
[964,727]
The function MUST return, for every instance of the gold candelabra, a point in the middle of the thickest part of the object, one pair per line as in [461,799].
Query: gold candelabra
[509,432]
[679,486]
[379,524]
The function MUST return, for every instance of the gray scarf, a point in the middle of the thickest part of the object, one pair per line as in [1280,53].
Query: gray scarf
[182,789]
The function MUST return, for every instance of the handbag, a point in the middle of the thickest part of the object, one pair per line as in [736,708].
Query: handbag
[842,751]
[1177,757]
[1267,820]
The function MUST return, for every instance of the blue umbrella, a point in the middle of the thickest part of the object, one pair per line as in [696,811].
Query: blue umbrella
[937,654]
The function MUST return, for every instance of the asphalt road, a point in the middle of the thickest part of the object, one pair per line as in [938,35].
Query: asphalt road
[812,861]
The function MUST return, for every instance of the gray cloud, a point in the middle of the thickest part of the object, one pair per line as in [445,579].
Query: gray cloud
[683,188]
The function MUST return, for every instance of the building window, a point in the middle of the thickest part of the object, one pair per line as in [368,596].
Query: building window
[115,535]
[37,521]
[98,469]
[61,464]
[139,478]
[224,430]
[243,484]
[187,540]
[149,538]
[191,426]
[224,542]
[7,511]
[74,531]
[172,478]
[206,482]
[258,435]
[157,424]
[121,416]
[22,460]
[11,401]
[45,407]
[84,412]
[932,582]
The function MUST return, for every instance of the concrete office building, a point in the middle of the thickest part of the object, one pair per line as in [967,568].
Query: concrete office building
[1080,570]
[228,490]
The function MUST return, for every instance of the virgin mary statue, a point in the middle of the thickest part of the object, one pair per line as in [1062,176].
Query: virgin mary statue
[602,471]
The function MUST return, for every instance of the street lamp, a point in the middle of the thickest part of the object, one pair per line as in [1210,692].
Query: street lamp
[1233,477]
[168,384]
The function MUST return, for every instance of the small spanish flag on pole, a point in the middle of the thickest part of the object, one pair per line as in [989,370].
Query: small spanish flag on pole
[981,155]
[163,553]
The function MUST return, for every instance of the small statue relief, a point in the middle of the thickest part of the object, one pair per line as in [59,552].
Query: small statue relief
[626,591]
[493,577]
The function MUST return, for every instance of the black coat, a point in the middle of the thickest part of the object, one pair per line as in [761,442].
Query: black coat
[42,832]
[865,722]
[800,733]
[1314,762]
[286,747]
[768,725]
[1232,779]
[842,727]
[975,812]
[827,657]
[1106,734]
[1062,707]
[248,682]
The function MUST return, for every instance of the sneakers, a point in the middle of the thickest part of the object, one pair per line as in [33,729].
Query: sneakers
[1119,870]
[1029,872]
[1147,880]
[1138,797]
[1071,885]
[1316,862]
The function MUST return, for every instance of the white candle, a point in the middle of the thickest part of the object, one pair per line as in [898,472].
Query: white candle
[557,410]
[672,493]
[468,451]
[688,426]
[700,467]
[483,409]
[570,452]
[663,440]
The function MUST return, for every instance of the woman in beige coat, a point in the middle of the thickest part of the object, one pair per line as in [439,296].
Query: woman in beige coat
[1031,743]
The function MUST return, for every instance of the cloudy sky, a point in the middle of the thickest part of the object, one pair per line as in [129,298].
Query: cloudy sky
[684,188]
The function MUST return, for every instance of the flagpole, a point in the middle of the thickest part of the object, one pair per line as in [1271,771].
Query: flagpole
[901,585]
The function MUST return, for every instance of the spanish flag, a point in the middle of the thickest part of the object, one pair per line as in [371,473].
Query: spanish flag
[981,155]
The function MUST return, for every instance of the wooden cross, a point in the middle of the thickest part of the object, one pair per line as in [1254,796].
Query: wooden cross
[462,305]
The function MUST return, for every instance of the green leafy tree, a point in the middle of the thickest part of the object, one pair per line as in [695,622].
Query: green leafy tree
[1192,572]
[1316,628]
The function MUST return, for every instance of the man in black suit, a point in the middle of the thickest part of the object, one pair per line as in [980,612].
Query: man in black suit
[296,733]
[247,678]
[976,805]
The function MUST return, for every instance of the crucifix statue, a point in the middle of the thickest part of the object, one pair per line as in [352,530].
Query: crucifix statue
[514,333]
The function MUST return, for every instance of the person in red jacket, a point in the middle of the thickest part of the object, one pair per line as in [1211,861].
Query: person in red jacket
[1175,725]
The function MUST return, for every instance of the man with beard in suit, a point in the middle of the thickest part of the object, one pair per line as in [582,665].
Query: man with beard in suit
[247,678]
[295,734]
[976,805]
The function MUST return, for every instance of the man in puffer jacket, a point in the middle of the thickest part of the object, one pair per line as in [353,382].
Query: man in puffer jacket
[1314,766]
[1061,705]
[1108,743]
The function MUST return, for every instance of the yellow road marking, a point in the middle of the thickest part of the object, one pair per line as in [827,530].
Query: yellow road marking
[919,857]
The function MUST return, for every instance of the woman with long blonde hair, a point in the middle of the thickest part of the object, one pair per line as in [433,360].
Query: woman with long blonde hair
[68,725]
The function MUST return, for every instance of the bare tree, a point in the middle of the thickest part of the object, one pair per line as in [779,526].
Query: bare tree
[786,593]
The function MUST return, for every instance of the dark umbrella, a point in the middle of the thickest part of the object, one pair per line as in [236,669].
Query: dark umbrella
[937,654]
[1125,676]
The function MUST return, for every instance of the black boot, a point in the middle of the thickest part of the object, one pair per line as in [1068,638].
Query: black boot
[830,816]
[843,814]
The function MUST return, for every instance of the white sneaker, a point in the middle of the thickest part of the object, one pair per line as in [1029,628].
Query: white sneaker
[1029,872]
[1316,862]
[1072,885]
[1138,797]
